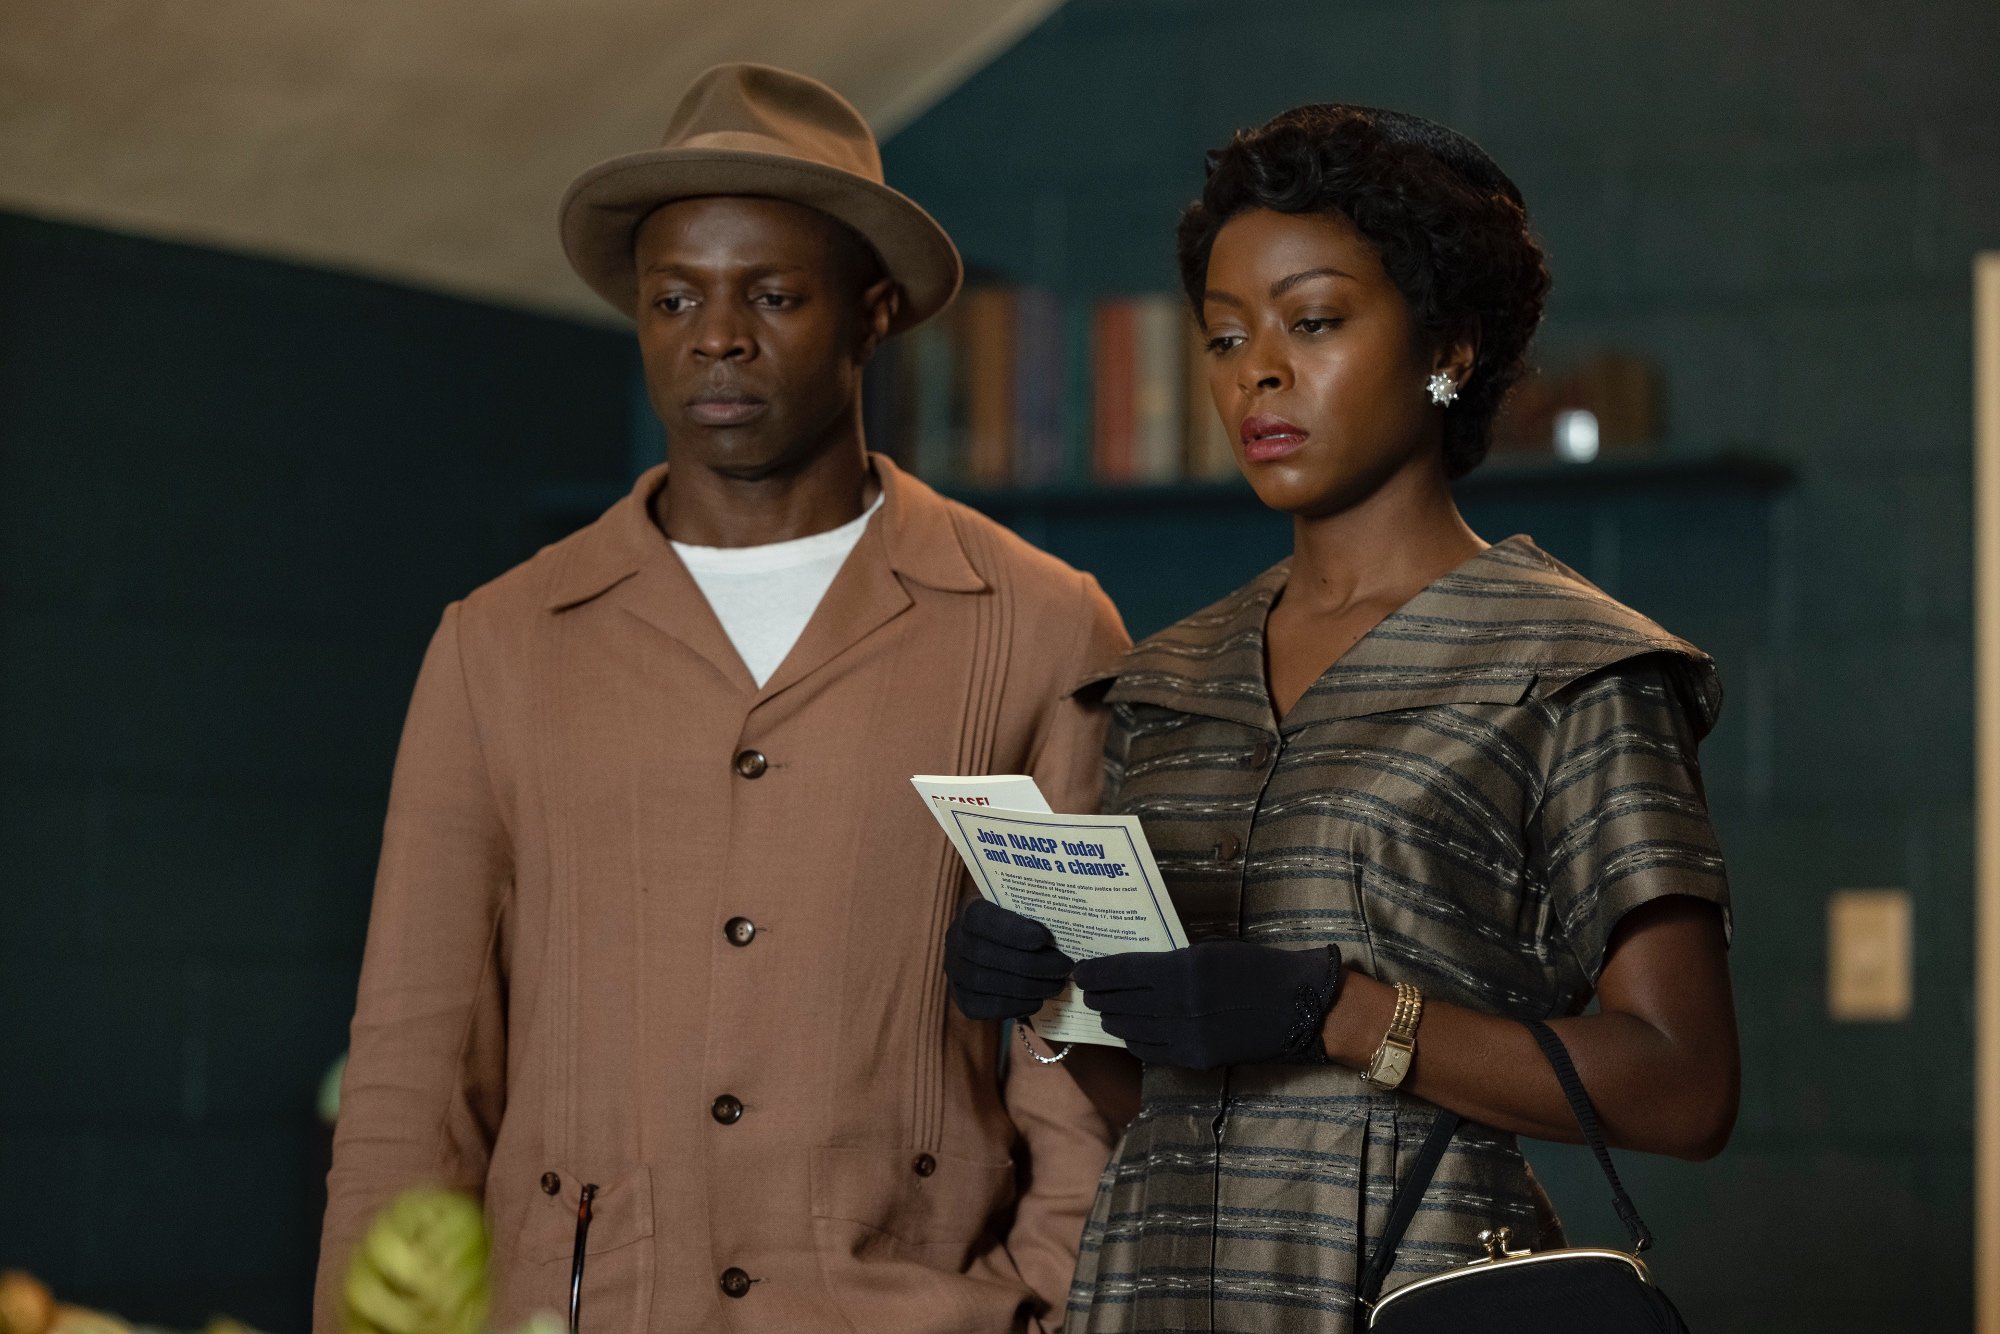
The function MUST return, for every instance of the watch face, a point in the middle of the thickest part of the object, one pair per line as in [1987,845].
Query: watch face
[1391,1064]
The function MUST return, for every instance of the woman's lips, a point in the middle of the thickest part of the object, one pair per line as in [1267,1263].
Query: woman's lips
[725,411]
[1268,438]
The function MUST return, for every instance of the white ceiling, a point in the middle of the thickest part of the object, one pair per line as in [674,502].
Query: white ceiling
[425,141]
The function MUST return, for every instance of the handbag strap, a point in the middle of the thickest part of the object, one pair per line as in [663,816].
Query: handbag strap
[1586,1120]
[1410,1193]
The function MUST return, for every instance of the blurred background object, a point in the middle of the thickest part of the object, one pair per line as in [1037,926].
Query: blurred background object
[422,1268]
[1601,402]
[28,1307]
[426,143]
[289,358]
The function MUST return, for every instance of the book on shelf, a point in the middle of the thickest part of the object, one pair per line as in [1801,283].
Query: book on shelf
[986,370]
[1209,456]
[1039,375]
[1159,378]
[929,363]
[1115,393]
[1020,386]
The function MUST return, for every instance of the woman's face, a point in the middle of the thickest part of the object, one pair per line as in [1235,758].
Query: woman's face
[1316,362]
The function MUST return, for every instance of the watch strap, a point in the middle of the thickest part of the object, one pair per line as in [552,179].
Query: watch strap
[1409,1009]
[1402,1035]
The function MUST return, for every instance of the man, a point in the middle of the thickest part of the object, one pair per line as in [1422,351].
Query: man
[659,916]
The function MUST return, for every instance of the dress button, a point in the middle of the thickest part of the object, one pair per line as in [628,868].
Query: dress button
[1261,756]
[727,1109]
[751,763]
[1227,847]
[735,1283]
[924,1165]
[739,930]
[551,1184]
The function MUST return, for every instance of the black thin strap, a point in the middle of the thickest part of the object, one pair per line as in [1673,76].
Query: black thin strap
[1409,1195]
[1410,1192]
[1586,1120]
[576,1263]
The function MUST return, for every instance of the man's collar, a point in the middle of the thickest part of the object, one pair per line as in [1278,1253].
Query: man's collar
[919,536]
[1510,624]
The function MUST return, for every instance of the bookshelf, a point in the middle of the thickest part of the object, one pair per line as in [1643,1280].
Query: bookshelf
[1162,550]
[1017,386]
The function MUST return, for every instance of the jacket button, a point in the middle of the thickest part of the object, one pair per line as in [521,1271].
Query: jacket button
[551,1184]
[751,763]
[924,1165]
[726,1109]
[1227,847]
[735,1283]
[739,931]
[1261,756]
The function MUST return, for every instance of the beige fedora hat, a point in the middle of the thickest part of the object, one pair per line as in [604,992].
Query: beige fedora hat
[755,130]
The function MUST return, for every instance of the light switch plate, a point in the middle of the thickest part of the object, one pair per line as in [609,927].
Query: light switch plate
[1868,955]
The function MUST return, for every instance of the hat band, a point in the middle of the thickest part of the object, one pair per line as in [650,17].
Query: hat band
[746,141]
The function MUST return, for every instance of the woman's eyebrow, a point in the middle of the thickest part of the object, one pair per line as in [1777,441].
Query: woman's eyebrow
[1289,281]
[1282,286]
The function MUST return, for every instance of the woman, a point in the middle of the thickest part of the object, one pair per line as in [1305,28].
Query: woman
[1401,756]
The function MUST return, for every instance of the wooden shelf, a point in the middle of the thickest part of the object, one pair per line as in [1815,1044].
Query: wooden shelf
[1733,472]
[1729,470]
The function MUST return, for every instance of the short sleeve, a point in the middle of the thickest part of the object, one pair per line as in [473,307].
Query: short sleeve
[1623,819]
[1064,758]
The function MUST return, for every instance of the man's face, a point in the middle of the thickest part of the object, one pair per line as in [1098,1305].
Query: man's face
[755,319]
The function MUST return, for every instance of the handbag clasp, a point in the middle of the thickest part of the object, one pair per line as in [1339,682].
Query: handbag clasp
[1497,1240]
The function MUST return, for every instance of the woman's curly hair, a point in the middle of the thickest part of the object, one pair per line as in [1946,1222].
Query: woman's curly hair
[1449,226]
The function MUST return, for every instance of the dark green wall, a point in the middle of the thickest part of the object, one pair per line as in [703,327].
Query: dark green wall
[234,497]
[1780,201]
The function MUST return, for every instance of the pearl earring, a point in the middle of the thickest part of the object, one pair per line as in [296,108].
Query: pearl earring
[1443,391]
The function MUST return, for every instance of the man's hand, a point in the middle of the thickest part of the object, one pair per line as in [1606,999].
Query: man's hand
[1001,965]
[1222,1002]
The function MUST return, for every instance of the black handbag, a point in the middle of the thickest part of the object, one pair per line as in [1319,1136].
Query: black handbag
[1571,1290]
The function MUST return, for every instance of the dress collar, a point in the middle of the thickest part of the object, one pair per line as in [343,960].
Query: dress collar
[1510,624]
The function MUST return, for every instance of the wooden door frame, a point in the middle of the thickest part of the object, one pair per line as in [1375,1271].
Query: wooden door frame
[1986,480]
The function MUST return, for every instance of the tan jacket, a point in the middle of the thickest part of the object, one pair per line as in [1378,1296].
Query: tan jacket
[623,890]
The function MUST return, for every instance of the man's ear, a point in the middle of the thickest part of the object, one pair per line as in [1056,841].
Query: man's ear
[879,305]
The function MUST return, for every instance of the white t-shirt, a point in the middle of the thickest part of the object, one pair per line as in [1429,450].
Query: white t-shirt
[765,595]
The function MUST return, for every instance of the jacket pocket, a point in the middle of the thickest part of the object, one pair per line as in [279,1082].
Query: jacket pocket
[909,1240]
[618,1255]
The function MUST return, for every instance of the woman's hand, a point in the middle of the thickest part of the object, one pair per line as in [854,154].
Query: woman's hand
[1001,965]
[1222,1002]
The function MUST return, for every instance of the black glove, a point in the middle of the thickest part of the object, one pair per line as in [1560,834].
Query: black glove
[1222,1002]
[1001,965]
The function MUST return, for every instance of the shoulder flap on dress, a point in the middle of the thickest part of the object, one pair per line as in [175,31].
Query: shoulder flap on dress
[1585,631]
[1210,663]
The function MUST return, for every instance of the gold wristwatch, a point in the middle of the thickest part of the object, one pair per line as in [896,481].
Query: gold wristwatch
[1399,1047]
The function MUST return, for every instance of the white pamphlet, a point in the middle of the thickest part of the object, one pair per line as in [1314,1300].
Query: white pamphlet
[1090,879]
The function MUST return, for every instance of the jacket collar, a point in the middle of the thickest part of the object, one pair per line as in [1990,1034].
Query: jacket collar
[1512,623]
[624,558]
[920,540]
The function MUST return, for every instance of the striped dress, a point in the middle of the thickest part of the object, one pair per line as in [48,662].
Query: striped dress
[1468,800]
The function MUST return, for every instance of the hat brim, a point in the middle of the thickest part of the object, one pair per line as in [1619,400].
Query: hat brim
[603,208]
